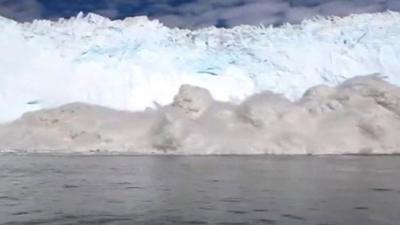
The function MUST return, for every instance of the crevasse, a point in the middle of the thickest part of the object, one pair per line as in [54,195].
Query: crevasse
[134,63]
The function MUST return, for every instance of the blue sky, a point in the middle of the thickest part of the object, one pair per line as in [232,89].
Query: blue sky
[196,13]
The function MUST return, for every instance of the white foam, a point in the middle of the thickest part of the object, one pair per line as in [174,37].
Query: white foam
[130,64]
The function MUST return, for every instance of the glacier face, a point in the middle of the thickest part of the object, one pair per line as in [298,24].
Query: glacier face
[134,63]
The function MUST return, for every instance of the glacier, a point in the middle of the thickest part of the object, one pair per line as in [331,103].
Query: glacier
[137,63]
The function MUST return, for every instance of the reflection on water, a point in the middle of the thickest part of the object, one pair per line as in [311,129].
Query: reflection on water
[199,190]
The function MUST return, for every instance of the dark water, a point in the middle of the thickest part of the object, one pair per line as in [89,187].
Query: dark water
[199,190]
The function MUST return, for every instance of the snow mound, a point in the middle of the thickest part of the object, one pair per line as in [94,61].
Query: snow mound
[133,63]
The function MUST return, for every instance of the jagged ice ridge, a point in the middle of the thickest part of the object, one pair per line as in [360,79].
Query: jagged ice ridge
[131,64]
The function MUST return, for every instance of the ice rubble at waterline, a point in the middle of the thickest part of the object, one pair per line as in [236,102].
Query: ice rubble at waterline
[359,116]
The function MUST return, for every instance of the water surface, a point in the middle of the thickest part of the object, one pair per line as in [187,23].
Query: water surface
[115,190]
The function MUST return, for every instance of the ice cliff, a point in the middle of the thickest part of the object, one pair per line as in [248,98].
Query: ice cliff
[359,116]
[135,63]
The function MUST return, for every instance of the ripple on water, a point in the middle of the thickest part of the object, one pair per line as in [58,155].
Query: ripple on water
[266,221]
[294,217]
[189,222]
[20,213]
[232,223]
[112,201]
[10,198]
[231,200]
[122,183]
[134,187]
[260,210]
[207,208]
[238,212]
[214,181]
[70,186]
[381,189]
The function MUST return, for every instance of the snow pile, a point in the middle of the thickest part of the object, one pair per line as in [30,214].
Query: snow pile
[360,116]
[133,63]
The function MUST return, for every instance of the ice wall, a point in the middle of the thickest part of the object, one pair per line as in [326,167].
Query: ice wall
[131,64]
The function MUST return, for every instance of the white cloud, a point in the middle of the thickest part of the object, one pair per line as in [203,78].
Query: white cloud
[201,13]
[20,10]
[343,8]
[394,5]
[297,14]
[236,12]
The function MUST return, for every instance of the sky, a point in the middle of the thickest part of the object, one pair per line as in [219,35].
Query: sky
[196,13]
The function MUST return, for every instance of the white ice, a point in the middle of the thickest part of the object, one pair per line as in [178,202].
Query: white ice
[131,64]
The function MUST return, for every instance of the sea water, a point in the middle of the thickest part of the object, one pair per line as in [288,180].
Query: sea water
[334,190]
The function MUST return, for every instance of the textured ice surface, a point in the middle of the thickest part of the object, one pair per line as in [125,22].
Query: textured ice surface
[360,116]
[131,64]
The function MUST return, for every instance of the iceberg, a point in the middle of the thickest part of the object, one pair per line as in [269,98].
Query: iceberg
[137,63]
